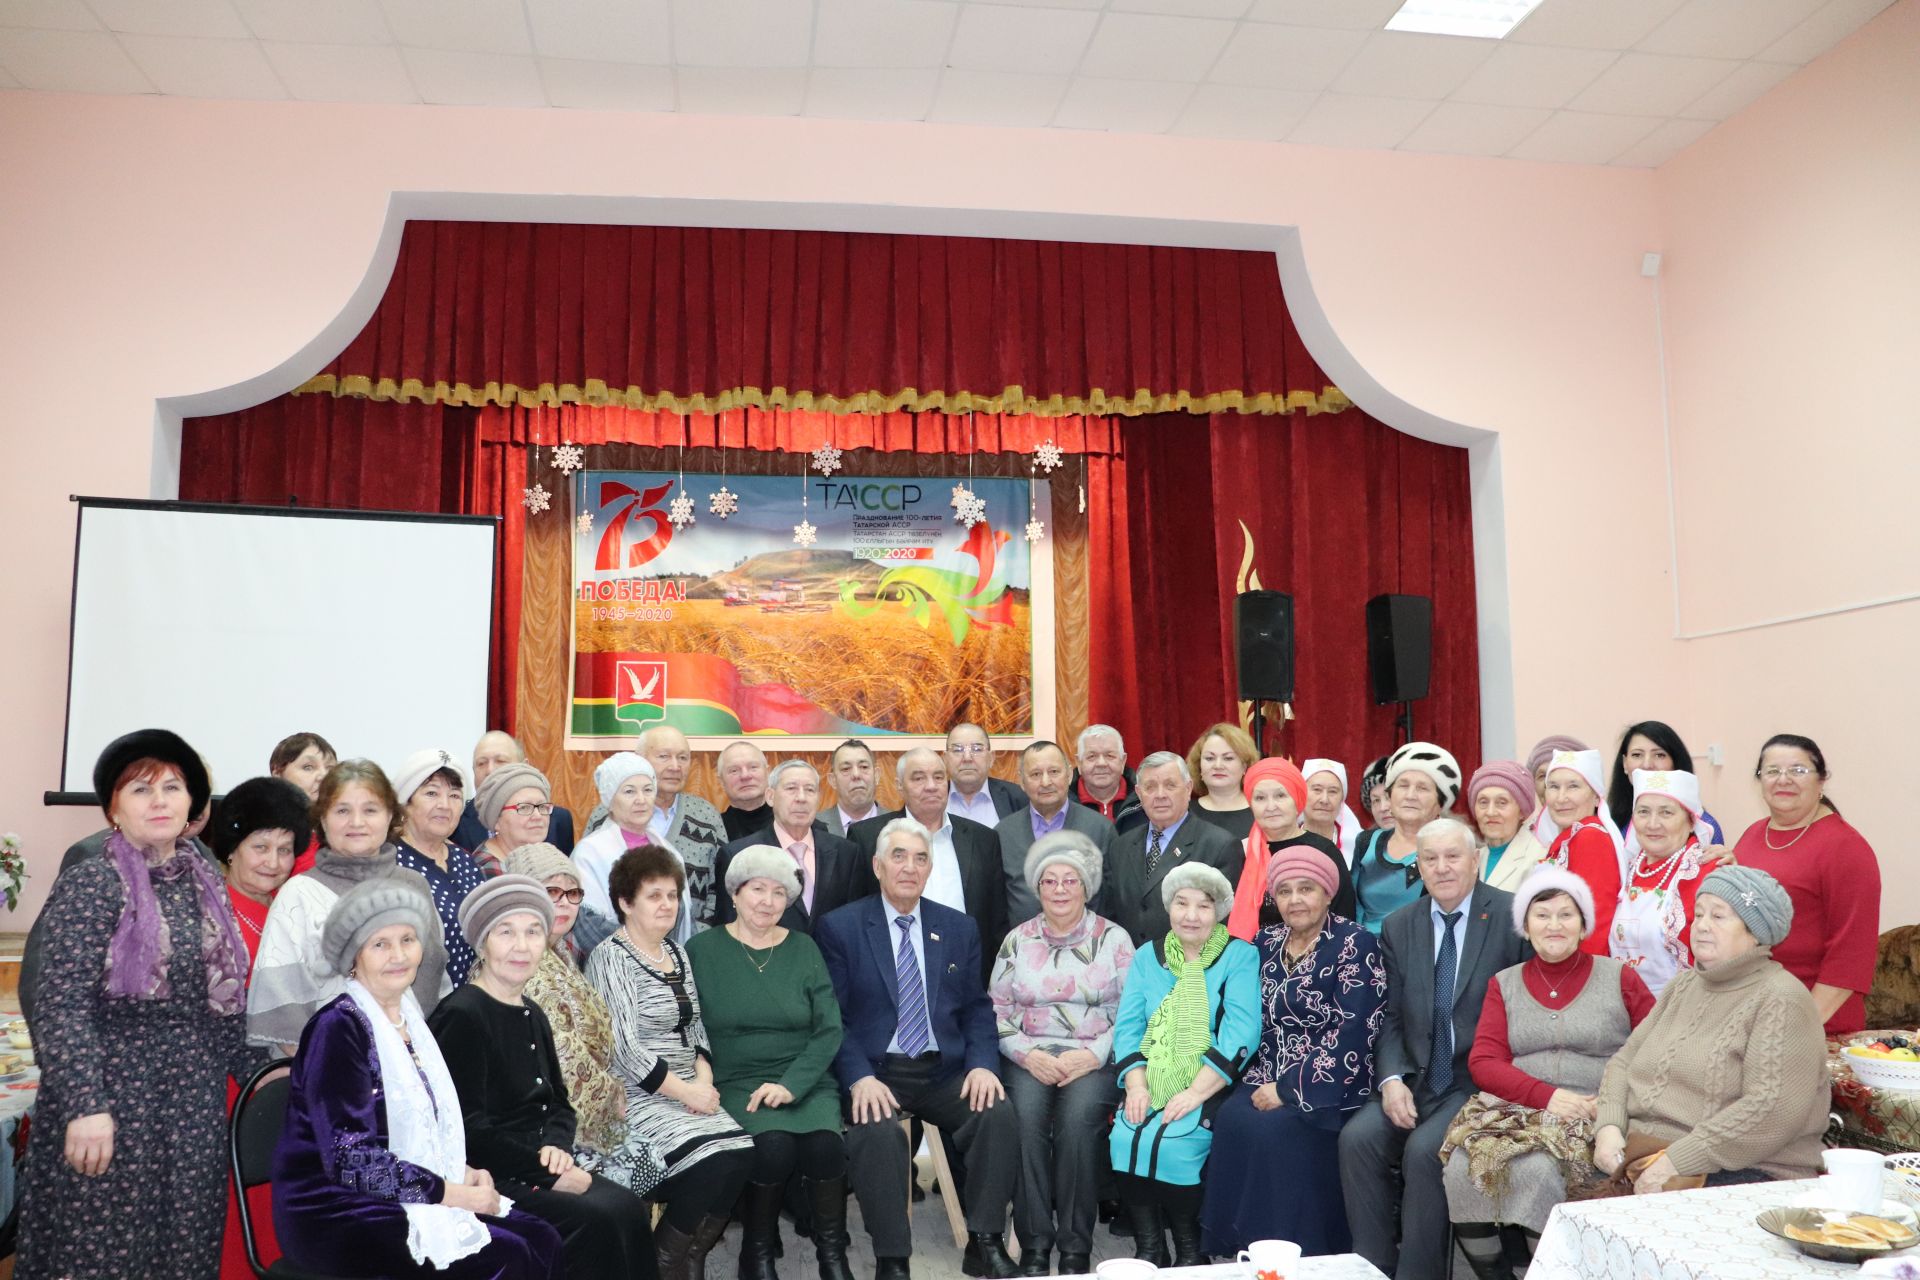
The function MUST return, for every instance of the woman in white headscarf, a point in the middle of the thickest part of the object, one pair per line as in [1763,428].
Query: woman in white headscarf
[626,784]
[1588,845]
[1666,859]
[1327,813]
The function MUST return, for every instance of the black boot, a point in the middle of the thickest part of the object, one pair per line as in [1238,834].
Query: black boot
[1075,1264]
[1033,1261]
[670,1245]
[1484,1250]
[828,1200]
[760,1231]
[1149,1226]
[705,1236]
[986,1256]
[1183,1224]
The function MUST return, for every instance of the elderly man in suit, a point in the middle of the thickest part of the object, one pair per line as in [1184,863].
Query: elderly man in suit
[1043,776]
[1140,858]
[1440,951]
[974,793]
[966,872]
[495,748]
[851,769]
[683,820]
[832,872]
[919,1037]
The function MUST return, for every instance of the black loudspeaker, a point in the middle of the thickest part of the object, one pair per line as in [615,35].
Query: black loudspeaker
[1263,645]
[1400,647]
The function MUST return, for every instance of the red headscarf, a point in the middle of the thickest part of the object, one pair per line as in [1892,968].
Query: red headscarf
[1244,921]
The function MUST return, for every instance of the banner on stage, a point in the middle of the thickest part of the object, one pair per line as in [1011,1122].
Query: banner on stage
[896,622]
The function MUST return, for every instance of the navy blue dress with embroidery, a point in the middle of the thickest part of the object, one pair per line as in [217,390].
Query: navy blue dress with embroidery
[450,887]
[338,1188]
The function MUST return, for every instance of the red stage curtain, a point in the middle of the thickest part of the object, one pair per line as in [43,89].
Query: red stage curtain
[701,320]
[799,432]
[1337,510]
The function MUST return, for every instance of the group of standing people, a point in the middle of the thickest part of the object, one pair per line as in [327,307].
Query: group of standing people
[1103,984]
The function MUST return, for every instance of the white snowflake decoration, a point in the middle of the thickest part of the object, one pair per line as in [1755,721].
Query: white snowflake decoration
[960,495]
[971,510]
[1035,531]
[1083,499]
[724,502]
[826,459]
[583,523]
[568,458]
[680,512]
[1047,456]
[536,499]
[804,533]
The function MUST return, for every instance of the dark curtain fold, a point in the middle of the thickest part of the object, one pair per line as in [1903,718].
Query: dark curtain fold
[701,320]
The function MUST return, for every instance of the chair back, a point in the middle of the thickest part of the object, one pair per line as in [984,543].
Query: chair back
[253,1131]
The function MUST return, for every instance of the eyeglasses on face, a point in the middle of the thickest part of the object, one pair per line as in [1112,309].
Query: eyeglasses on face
[572,897]
[1774,772]
[531,810]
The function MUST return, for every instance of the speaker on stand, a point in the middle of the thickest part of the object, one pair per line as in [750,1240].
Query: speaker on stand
[1263,652]
[1400,653]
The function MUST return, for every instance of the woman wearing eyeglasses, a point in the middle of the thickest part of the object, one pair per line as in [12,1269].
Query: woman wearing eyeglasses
[1829,871]
[515,803]
[583,1034]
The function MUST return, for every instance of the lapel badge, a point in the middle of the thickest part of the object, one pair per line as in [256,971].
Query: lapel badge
[934,936]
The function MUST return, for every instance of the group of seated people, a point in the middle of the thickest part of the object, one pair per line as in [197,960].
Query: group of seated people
[1230,1007]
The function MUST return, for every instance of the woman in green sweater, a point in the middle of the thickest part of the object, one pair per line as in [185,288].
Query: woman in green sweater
[774,1026]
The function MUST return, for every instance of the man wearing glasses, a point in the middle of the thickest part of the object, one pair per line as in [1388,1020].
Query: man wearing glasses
[974,794]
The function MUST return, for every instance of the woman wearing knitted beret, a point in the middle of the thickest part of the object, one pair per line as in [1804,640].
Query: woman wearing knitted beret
[1500,797]
[1189,1020]
[515,804]
[1056,992]
[1323,990]
[1423,781]
[1726,1081]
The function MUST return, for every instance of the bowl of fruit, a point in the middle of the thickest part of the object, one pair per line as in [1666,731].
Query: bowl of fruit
[1885,1059]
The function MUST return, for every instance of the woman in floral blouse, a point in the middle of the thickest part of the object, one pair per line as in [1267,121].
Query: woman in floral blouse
[1323,990]
[1056,988]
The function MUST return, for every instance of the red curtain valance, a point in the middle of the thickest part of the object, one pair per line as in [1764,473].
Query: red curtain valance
[701,320]
[793,431]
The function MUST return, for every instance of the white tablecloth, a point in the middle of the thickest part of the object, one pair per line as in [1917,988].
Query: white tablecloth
[1707,1234]
[1333,1266]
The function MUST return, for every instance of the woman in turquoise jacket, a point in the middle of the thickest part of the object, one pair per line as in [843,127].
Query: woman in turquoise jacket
[1189,1022]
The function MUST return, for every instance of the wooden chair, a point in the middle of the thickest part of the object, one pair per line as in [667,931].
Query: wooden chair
[943,1178]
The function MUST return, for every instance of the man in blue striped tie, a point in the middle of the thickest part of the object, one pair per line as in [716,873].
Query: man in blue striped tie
[919,1037]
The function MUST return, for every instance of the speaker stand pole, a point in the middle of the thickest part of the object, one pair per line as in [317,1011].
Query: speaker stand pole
[1259,730]
[1405,723]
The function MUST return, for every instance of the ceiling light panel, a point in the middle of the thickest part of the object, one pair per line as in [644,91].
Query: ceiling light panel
[1487,19]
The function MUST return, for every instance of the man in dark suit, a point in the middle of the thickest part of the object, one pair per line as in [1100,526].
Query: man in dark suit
[1439,951]
[494,749]
[1140,858]
[832,870]
[974,792]
[852,768]
[966,872]
[918,1037]
[1043,775]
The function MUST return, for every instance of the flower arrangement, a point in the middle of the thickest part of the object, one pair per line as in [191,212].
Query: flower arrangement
[13,866]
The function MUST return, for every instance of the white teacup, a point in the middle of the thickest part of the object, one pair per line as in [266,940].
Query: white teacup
[1125,1269]
[1270,1260]
[1857,1178]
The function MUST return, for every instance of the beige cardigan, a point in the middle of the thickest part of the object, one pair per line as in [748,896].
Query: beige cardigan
[1730,1069]
[1523,854]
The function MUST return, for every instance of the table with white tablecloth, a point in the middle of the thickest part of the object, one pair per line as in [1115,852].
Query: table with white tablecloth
[1709,1234]
[1332,1266]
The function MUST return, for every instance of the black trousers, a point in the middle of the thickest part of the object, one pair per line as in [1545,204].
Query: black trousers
[877,1153]
[707,1190]
[604,1230]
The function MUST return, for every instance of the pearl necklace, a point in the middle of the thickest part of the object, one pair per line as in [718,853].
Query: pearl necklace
[1663,875]
[660,961]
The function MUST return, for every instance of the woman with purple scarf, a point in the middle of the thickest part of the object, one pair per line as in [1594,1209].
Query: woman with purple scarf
[140,1018]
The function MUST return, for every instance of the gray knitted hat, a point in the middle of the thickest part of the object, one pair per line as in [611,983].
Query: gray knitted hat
[498,898]
[542,861]
[367,908]
[1208,880]
[1757,898]
[503,782]
[1074,849]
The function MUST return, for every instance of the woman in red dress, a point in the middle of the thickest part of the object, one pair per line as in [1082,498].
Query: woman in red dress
[259,827]
[1830,872]
[1588,844]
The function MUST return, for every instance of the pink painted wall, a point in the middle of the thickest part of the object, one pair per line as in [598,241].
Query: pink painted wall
[1793,337]
[158,247]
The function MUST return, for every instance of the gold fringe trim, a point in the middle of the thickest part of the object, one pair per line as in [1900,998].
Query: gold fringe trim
[1013,400]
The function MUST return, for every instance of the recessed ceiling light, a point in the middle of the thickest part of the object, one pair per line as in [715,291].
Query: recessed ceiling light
[1488,19]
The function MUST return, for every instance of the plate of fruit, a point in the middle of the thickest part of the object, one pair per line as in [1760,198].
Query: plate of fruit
[1885,1059]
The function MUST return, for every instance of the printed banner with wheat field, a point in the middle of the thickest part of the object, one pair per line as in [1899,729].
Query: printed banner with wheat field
[896,622]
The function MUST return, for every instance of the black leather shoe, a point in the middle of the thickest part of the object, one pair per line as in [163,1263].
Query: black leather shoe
[1033,1262]
[986,1256]
[891,1269]
[1076,1264]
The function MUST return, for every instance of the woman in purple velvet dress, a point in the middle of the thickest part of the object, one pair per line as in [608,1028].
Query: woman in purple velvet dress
[371,1176]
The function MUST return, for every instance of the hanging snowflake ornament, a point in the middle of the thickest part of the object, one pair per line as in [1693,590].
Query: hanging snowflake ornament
[583,523]
[970,510]
[826,459]
[1047,456]
[536,499]
[1035,531]
[960,494]
[724,502]
[1083,499]
[805,534]
[680,512]
[568,458]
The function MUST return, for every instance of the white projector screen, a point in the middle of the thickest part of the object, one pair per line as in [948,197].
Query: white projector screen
[236,626]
